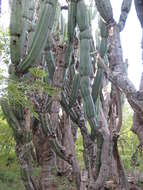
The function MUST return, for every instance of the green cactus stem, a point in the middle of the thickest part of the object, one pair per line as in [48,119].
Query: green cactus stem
[71,34]
[102,51]
[43,28]
[16,27]
[27,18]
[105,10]
[74,90]
[85,64]
[50,61]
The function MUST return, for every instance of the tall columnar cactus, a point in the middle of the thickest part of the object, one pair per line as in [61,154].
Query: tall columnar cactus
[16,28]
[71,33]
[85,63]
[84,73]
[42,30]
[50,61]
[15,113]
[30,41]
[105,10]
[116,65]
[102,49]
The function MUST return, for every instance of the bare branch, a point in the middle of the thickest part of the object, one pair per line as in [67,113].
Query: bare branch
[122,82]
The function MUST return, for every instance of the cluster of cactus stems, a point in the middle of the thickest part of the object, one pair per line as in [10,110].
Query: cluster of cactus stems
[30,40]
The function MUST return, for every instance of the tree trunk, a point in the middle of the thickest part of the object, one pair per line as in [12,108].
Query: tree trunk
[45,156]
[68,142]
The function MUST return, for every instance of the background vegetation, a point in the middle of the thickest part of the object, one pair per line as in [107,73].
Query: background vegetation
[9,169]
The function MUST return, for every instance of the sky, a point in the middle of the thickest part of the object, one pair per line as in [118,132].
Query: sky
[130,37]
[131,42]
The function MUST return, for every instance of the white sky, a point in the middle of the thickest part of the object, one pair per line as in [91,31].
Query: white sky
[131,42]
[130,37]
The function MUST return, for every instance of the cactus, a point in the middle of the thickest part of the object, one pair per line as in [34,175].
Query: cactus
[85,64]
[102,51]
[47,128]
[44,26]
[116,65]
[126,5]
[16,26]
[28,16]
[71,21]
[21,24]
[50,61]
[74,91]
[105,10]
[71,33]
[31,43]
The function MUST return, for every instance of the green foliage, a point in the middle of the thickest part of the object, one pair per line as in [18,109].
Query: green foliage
[9,173]
[7,142]
[38,84]
[128,142]
[17,93]
[38,73]
[79,149]
[20,92]
[10,179]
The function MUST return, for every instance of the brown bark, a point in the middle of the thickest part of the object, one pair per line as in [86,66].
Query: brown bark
[45,157]
[116,65]
[65,131]
[68,143]
[46,163]
[105,152]
[123,181]
[122,82]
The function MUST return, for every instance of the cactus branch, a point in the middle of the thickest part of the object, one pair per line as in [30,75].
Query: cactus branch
[105,10]
[42,31]
[126,5]
[16,27]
